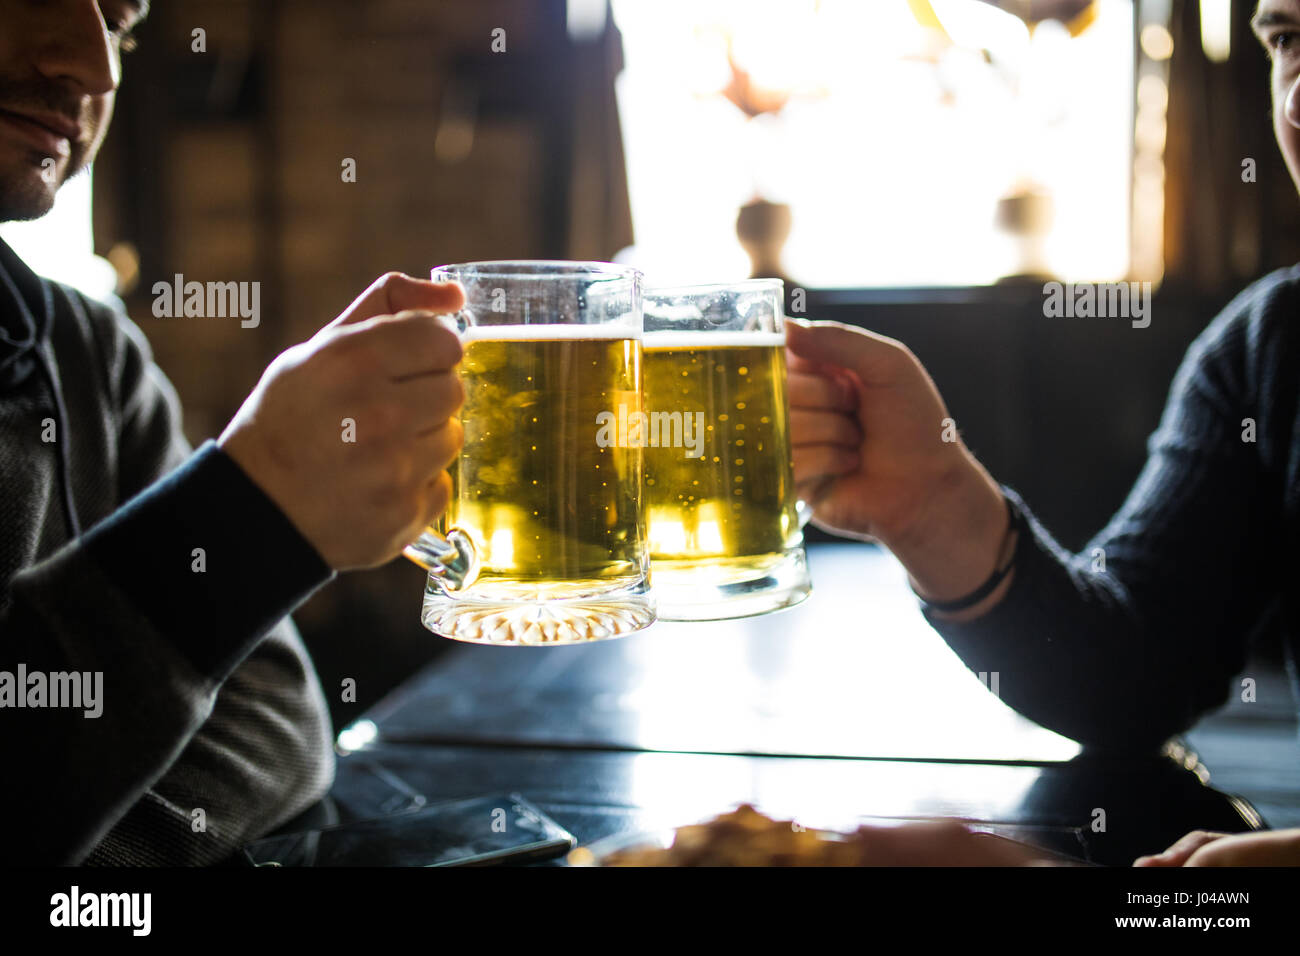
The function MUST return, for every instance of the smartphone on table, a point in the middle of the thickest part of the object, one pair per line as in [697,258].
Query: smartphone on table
[476,831]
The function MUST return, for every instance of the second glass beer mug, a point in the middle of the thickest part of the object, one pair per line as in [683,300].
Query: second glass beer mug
[726,536]
[544,540]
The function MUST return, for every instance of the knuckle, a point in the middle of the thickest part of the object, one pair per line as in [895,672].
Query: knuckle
[445,346]
[438,499]
[355,352]
[290,358]
[451,451]
[446,444]
[901,353]
[440,491]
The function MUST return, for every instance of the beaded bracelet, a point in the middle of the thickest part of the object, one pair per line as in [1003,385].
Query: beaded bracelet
[1015,523]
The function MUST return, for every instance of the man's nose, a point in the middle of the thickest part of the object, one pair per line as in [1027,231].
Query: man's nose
[79,50]
[1292,107]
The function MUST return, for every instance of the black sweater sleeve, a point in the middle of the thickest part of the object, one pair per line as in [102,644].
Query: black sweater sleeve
[1133,638]
[126,602]
[176,603]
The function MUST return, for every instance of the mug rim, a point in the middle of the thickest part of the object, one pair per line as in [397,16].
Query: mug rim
[706,288]
[563,269]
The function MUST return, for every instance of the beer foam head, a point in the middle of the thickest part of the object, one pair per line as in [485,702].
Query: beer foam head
[549,333]
[680,341]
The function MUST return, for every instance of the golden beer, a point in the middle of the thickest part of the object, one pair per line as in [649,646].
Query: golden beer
[552,514]
[720,509]
[543,540]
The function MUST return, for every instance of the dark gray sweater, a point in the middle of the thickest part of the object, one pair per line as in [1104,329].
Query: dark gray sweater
[209,699]
[1203,554]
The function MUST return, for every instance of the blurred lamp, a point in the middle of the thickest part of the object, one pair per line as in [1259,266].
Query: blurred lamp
[1157,42]
[585,19]
[1216,30]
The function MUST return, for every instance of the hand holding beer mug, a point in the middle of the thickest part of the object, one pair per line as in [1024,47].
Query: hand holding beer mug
[544,540]
[725,529]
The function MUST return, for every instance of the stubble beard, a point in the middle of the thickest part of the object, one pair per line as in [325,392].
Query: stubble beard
[27,188]
[25,194]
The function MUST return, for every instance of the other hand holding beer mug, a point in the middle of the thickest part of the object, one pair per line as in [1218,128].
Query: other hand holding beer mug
[877,455]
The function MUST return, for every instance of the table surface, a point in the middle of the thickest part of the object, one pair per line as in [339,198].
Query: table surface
[854,671]
[848,706]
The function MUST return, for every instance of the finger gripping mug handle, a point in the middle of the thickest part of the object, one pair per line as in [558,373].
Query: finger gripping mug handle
[452,559]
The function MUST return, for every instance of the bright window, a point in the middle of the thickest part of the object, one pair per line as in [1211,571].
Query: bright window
[952,153]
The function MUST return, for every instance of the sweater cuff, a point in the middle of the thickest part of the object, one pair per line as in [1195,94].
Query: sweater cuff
[208,559]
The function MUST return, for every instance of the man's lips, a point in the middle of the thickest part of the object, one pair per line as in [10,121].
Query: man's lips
[49,132]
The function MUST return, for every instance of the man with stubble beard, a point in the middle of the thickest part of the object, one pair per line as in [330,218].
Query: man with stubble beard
[209,700]
[1203,554]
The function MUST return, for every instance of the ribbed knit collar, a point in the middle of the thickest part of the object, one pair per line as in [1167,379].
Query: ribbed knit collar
[25,315]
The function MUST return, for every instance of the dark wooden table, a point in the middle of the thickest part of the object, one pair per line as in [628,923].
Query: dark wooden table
[848,706]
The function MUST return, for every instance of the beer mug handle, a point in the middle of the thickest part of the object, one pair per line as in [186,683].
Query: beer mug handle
[452,559]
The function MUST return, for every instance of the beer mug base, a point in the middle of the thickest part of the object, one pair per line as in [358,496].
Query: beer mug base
[719,590]
[531,615]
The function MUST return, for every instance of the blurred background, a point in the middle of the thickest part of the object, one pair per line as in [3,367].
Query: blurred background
[918,167]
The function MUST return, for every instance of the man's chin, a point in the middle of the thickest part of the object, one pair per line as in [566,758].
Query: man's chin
[23,209]
[26,197]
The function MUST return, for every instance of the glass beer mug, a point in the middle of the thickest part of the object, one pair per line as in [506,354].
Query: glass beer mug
[544,541]
[726,530]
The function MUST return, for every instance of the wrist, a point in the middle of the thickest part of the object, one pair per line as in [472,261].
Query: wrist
[982,599]
[963,502]
[259,466]
[959,536]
